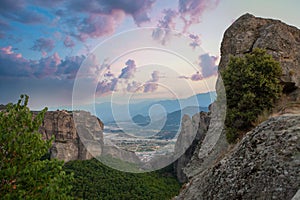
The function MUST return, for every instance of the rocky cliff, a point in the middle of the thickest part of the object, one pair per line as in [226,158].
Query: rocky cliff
[265,163]
[67,144]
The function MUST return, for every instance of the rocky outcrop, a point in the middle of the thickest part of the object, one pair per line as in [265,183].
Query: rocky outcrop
[67,144]
[264,165]
[188,140]
[279,39]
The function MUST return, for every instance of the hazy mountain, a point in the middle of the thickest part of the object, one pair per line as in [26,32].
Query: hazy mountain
[109,112]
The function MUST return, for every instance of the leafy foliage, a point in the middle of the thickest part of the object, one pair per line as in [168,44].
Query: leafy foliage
[94,180]
[23,174]
[252,86]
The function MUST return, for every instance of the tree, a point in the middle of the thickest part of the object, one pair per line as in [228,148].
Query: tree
[23,174]
[252,86]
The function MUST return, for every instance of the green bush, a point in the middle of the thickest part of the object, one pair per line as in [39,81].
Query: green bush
[252,86]
[25,173]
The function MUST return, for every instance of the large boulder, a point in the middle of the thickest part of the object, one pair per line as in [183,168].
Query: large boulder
[67,144]
[279,39]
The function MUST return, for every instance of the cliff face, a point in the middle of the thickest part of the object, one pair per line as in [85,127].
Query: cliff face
[67,144]
[265,164]
[199,124]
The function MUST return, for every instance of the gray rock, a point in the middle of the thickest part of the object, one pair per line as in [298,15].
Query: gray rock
[257,168]
[279,39]
[67,142]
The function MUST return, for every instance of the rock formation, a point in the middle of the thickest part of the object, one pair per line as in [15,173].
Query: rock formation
[265,164]
[280,40]
[79,136]
[199,125]
[67,144]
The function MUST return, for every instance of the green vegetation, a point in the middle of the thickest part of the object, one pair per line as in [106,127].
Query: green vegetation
[94,180]
[26,171]
[23,172]
[119,164]
[252,87]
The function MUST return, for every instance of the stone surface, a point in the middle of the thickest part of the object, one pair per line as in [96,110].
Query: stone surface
[67,143]
[192,132]
[264,165]
[279,39]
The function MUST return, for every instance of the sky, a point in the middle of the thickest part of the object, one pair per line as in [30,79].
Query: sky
[100,50]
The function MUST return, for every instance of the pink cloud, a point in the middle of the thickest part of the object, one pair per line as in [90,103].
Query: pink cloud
[191,11]
[14,65]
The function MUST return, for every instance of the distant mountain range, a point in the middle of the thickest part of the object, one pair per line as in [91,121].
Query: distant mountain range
[110,112]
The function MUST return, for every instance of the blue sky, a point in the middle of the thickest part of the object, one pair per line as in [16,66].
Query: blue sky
[43,44]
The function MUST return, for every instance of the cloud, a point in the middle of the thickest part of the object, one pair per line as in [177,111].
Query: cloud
[47,66]
[196,77]
[165,26]
[69,67]
[96,25]
[195,41]
[16,10]
[168,20]
[43,45]
[208,68]
[101,17]
[184,77]
[14,65]
[129,70]
[192,10]
[208,65]
[134,86]
[109,74]
[3,26]
[151,85]
[48,3]
[68,42]
[107,86]
[137,9]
